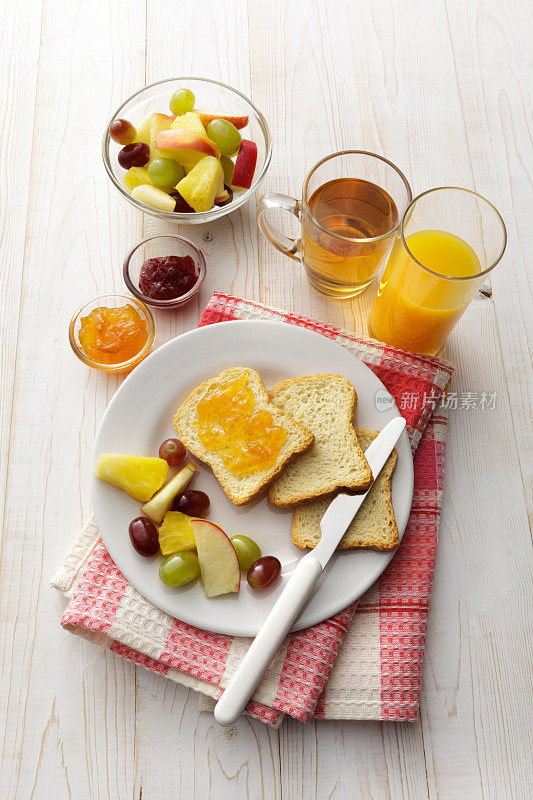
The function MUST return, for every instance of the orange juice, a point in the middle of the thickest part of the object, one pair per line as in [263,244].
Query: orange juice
[414,309]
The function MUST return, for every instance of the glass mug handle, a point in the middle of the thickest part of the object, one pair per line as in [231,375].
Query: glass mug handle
[285,244]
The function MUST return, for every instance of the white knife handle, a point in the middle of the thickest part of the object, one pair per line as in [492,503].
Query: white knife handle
[263,648]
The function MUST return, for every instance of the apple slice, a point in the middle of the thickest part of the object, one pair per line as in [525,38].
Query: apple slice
[219,564]
[209,116]
[157,507]
[222,193]
[143,129]
[223,198]
[158,123]
[245,165]
[154,197]
[185,146]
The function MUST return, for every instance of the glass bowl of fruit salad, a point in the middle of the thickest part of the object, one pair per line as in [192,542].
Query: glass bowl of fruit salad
[187,149]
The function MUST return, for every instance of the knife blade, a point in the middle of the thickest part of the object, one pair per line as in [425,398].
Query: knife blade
[287,607]
[341,511]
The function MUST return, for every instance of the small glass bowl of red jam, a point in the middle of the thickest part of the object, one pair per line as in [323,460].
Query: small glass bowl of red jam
[164,271]
[112,332]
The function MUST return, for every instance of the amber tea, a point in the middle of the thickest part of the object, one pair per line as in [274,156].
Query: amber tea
[351,210]
[349,214]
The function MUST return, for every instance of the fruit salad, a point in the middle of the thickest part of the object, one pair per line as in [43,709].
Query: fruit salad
[191,546]
[188,161]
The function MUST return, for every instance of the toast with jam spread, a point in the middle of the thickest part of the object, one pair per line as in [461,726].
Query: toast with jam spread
[229,423]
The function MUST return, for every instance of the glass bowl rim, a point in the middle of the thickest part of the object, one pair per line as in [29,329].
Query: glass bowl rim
[175,301]
[351,153]
[213,213]
[439,274]
[123,365]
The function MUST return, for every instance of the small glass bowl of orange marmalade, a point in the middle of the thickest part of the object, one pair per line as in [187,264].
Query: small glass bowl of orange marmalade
[112,332]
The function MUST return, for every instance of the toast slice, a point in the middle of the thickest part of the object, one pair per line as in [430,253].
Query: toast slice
[325,405]
[241,488]
[374,525]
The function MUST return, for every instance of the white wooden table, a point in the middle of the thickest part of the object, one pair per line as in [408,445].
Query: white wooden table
[442,87]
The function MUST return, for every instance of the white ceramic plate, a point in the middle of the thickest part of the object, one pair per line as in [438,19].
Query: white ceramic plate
[139,418]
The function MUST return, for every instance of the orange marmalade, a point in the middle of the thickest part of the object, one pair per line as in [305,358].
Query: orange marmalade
[245,439]
[112,335]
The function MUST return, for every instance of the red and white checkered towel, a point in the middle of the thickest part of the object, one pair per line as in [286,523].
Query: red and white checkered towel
[376,672]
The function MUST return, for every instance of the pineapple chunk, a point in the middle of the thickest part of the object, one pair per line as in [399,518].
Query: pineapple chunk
[154,197]
[200,186]
[175,534]
[191,120]
[136,176]
[138,476]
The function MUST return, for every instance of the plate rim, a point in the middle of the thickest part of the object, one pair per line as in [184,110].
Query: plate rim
[134,375]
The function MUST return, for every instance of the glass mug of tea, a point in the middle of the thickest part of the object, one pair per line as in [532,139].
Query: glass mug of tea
[449,240]
[351,207]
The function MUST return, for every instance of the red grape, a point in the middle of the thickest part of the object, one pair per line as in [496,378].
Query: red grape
[134,155]
[173,451]
[122,131]
[181,207]
[192,502]
[144,536]
[264,572]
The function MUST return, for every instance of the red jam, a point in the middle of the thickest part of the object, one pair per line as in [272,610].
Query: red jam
[167,277]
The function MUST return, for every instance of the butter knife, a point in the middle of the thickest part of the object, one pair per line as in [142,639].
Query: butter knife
[287,607]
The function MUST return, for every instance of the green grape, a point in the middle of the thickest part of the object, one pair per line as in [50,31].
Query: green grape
[225,136]
[182,101]
[228,166]
[179,568]
[165,172]
[247,551]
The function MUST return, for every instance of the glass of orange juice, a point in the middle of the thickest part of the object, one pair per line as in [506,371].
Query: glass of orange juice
[449,240]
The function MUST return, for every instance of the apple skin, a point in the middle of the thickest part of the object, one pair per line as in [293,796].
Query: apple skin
[245,165]
[209,116]
[185,146]
[220,555]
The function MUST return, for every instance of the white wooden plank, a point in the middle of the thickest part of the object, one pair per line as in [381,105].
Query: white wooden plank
[68,719]
[355,760]
[19,67]
[490,42]
[182,752]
